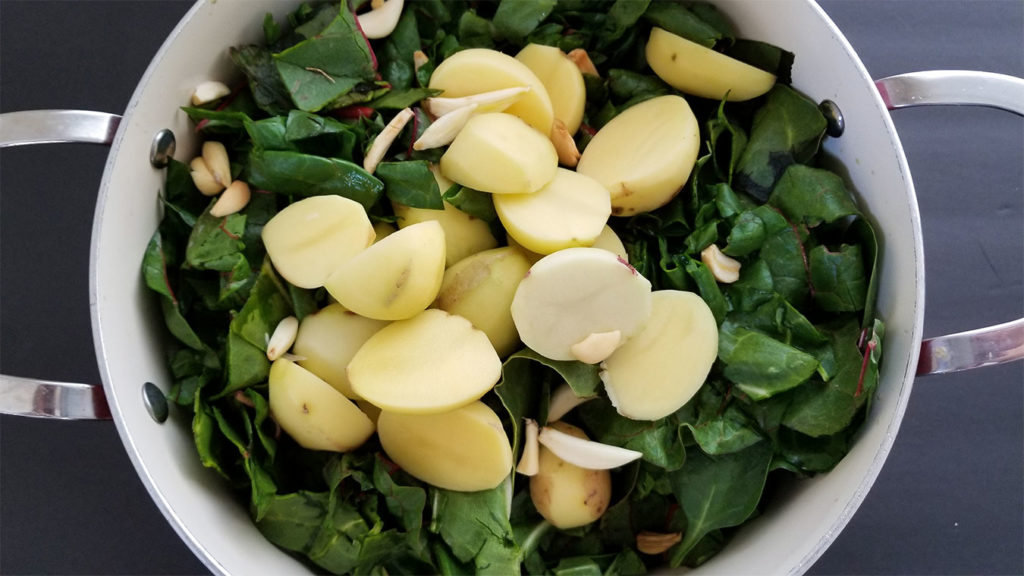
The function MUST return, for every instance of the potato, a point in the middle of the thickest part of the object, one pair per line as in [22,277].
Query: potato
[610,241]
[311,238]
[431,363]
[480,289]
[701,71]
[561,78]
[465,449]
[395,278]
[479,70]
[644,155]
[574,293]
[571,210]
[664,364]
[327,341]
[566,495]
[463,234]
[313,413]
[500,154]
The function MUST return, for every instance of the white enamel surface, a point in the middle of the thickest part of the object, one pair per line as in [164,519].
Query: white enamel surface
[796,527]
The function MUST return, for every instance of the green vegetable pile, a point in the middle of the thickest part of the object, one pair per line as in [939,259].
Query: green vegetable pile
[799,343]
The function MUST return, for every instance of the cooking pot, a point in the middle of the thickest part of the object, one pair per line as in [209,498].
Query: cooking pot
[127,332]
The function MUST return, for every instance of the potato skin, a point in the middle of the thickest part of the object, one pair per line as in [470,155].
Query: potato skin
[566,495]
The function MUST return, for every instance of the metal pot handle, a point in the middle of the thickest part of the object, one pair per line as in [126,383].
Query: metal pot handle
[28,396]
[985,346]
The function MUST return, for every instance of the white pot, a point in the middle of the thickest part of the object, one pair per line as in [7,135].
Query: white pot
[127,329]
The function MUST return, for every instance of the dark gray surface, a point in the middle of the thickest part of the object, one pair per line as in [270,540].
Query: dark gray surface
[950,499]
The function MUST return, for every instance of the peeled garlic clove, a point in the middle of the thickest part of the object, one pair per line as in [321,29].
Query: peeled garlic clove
[493,101]
[529,462]
[725,269]
[444,129]
[596,347]
[386,137]
[585,453]
[419,58]
[565,146]
[655,542]
[582,60]
[283,338]
[563,400]
[234,198]
[209,91]
[216,157]
[381,21]
[203,179]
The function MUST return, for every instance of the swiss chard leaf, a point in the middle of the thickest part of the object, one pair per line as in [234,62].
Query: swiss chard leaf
[268,90]
[308,175]
[475,526]
[839,278]
[658,440]
[410,183]
[812,196]
[759,365]
[515,19]
[216,242]
[681,21]
[473,202]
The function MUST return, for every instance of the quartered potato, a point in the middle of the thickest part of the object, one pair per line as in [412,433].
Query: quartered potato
[312,412]
[500,154]
[663,365]
[465,449]
[480,289]
[478,70]
[327,341]
[431,363]
[644,155]
[395,278]
[310,239]
[701,71]
[566,495]
[561,78]
[571,210]
[574,294]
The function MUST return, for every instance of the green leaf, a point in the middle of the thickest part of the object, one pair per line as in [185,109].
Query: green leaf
[410,183]
[759,365]
[515,19]
[313,134]
[475,526]
[268,90]
[406,503]
[658,440]
[839,280]
[681,21]
[215,243]
[718,491]
[473,202]
[812,196]
[307,175]
[721,427]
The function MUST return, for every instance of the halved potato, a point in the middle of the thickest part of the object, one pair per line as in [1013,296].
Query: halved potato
[644,155]
[571,210]
[431,363]
[465,449]
[327,341]
[395,278]
[566,495]
[663,365]
[561,78]
[500,154]
[313,413]
[478,70]
[311,238]
[701,71]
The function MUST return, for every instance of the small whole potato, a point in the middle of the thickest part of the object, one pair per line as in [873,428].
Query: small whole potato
[566,495]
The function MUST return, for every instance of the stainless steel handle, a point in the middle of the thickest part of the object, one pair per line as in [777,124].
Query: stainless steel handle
[28,396]
[985,346]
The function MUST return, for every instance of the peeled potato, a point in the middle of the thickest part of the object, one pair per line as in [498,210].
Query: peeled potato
[311,238]
[313,413]
[561,78]
[644,155]
[431,363]
[571,210]
[501,154]
[395,278]
[574,293]
[664,364]
[480,289]
[328,340]
[701,71]
[463,234]
[566,495]
[610,241]
[479,70]
[465,449]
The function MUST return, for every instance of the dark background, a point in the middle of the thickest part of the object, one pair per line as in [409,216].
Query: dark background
[950,499]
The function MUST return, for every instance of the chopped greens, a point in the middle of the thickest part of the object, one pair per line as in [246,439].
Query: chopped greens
[799,346]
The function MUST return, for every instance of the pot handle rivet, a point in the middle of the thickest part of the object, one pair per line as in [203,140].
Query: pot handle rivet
[155,402]
[834,123]
[162,150]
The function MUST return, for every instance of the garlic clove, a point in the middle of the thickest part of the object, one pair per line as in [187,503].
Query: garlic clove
[725,269]
[234,198]
[565,146]
[444,129]
[419,59]
[381,20]
[216,157]
[529,462]
[585,453]
[203,179]
[283,338]
[596,347]
[582,60]
[386,137]
[563,400]
[655,542]
[493,101]
[209,91]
